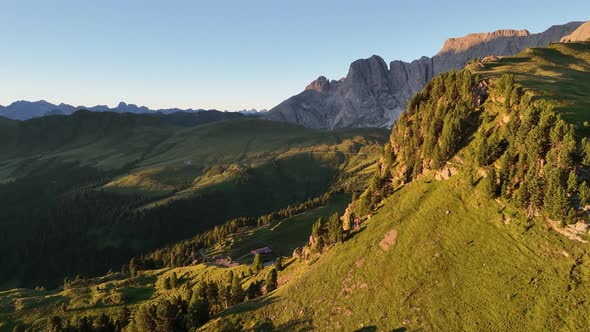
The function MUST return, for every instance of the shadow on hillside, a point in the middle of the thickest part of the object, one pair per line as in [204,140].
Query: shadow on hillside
[249,306]
[371,328]
[287,264]
[355,233]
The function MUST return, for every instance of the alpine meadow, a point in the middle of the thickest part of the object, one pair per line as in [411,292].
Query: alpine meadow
[447,193]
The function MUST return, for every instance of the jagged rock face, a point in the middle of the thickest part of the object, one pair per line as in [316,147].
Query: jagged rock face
[374,94]
[362,99]
[580,34]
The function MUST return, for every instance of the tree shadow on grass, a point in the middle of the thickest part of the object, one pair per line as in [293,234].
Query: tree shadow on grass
[286,265]
[355,233]
[300,325]
[250,305]
[371,328]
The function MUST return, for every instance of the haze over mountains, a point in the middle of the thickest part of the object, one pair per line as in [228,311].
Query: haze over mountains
[374,94]
[24,110]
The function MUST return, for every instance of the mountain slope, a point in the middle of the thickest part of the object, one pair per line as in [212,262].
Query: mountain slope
[558,73]
[485,227]
[465,270]
[373,94]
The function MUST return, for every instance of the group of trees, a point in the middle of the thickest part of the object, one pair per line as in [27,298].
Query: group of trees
[100,323]
[185,252]
[529,153]
[327,233]
[190,307]
[534,157]
[194,306]
[434,124]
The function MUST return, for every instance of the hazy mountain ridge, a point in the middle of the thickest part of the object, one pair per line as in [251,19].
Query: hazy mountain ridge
[24,110]
[373,94]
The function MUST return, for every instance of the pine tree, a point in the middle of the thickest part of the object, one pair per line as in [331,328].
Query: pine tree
[257,264]
[333,226]
[198,313]
[167,283]
[490,186]
[254,290]
[572,183]
[237,293]
[143,320]
[271,281]
[173,280]
[279,263]
[584,194]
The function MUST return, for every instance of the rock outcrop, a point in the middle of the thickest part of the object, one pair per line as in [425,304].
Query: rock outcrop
[582,33]
[374,94]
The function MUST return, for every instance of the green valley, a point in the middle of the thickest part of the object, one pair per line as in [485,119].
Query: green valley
[112,186]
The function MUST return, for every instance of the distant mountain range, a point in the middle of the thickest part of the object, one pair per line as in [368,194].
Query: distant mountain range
[374,94]
[24,110]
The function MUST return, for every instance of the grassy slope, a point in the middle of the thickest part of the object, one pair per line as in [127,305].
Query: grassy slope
[283,237]
[203,157]
[482,266]
[466,270]
[561,71]
[106,141]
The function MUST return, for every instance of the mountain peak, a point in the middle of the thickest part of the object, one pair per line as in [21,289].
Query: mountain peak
[321,84]
[461,44]
[373,94]
[582,33]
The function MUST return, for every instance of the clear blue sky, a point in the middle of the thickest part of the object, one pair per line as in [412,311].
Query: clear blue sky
[228,55]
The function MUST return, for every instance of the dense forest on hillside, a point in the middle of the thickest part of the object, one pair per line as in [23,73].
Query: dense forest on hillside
[527,152]
[63,215]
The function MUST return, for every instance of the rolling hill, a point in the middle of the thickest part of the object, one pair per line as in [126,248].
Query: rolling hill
[111,186]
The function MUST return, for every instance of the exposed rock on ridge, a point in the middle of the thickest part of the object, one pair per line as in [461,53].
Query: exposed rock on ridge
[373,94]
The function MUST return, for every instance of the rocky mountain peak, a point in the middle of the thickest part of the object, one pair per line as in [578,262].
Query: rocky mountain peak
[368,76]
[321,84]
[373,94]
[582,33]
[461,44]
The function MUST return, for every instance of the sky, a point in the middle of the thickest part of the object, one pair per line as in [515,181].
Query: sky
[228,55]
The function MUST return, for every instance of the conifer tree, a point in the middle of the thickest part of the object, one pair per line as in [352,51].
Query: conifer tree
[257,264]
[490,186]
[237,293]
[279,263]
[271,281]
